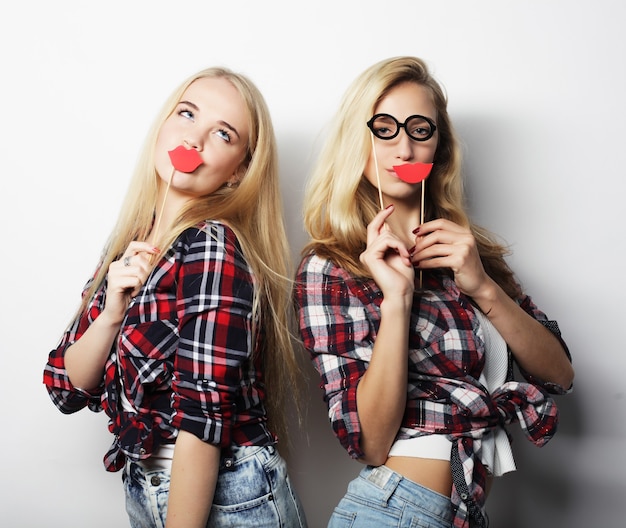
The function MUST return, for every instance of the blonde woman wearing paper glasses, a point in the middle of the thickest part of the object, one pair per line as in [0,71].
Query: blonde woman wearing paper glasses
[411,315]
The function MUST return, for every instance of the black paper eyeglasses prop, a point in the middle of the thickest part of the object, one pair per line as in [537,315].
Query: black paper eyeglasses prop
[417,127]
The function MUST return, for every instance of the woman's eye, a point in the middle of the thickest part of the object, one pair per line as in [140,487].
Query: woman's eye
[186,113]
[224,134]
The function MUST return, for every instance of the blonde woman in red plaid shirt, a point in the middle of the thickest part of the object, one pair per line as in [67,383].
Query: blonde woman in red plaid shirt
[182,336]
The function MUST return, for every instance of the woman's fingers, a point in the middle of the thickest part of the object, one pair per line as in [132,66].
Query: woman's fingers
[444,244]
[380,240]
[127,275]
[387,258]
[377,225]
[135,249]
[440,238]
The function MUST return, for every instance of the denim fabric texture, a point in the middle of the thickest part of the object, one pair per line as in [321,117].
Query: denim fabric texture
[253,490]
[381,497]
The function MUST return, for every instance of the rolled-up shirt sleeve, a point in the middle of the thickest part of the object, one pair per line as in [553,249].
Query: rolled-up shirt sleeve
[67,398]
[336,333]
[215,301]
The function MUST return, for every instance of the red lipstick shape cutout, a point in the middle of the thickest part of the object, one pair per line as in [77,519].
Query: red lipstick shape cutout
[185,160]
[413,172]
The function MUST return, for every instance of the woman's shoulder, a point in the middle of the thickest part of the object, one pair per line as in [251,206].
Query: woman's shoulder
[213,238]
[322,282]
[212,231]
[314,264]
[321,272]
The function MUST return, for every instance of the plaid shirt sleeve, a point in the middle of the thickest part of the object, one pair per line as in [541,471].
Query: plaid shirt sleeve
[337,334]
[67,398]
[215,299]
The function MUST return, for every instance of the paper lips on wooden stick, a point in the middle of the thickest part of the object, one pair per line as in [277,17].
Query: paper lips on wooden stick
[185,160]
[413,172]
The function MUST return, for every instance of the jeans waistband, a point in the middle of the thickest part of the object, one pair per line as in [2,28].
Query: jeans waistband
[235,455]
[392,484]
[382,477]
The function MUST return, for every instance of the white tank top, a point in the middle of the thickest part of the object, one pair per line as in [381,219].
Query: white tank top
[496,451]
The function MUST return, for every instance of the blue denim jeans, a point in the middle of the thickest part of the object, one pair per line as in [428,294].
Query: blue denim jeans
[382,497]
[253,490]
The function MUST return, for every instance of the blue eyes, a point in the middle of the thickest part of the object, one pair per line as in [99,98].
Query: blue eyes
[222,133]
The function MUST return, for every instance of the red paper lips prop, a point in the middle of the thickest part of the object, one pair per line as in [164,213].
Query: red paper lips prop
[413,172]
[185,160]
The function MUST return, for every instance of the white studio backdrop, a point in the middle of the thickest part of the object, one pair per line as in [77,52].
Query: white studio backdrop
[536,91]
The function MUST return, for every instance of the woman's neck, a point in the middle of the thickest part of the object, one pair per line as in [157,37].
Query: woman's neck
[169,206]
[403,221]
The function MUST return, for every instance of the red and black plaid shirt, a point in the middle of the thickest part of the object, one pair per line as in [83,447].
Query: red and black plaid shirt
[183,356]
[339,319]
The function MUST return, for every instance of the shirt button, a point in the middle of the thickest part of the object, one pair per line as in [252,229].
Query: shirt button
[142,451]
[155,481]
[464,496]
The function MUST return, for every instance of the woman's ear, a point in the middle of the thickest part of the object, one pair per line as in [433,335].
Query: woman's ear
[238,175]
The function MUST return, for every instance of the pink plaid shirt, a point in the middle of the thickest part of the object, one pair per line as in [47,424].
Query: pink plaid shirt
[339,319]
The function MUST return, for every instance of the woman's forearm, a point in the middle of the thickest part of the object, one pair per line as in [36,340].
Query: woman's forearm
[194,475]
[85,359]
[535,348]
[382,391]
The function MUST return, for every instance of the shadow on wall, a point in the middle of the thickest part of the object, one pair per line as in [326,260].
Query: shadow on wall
[318,465]
[541,490]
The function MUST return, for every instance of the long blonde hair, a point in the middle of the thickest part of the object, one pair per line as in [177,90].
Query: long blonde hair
[253,210]
[340,201]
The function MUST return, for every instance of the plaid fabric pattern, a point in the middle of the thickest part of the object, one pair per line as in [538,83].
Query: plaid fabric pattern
[339,318]
[184,356]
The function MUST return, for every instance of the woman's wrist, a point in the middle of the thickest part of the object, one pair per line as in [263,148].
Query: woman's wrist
[396,306]
[487,297]
[107,319]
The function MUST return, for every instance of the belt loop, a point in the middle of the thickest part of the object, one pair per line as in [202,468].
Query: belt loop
[387,480]
[379,476]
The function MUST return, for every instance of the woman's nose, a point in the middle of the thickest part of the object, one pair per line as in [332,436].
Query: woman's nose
[192,141]
[405,146]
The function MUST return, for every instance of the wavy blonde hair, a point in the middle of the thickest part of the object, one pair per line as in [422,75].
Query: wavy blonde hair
[253,209]
[340,201]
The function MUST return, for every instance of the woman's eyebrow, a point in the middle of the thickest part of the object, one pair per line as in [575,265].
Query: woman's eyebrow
[189,103]
[220,122]
[230,127]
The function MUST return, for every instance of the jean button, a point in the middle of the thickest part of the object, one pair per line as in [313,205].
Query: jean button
[155,481]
